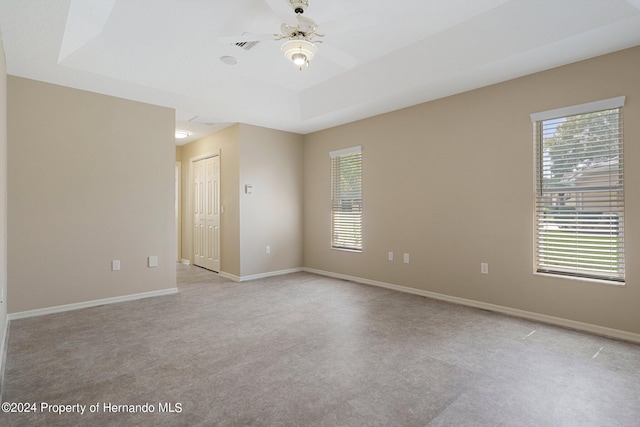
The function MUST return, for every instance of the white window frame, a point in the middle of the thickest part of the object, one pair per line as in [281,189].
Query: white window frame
[341,220]
[543,250]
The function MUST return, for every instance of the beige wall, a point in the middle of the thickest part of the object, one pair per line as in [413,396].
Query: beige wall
[90,180]
[226,143]
[451,183]
[3,201]
[271,161]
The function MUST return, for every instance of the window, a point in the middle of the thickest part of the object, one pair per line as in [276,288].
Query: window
[346,199]
[579,216]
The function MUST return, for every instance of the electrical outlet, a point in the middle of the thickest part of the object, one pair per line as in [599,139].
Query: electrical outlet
[484,268]
[153,261]
[406,258]
[267,250]
[390,256]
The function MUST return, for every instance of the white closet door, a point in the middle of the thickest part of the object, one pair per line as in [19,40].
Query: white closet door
[206,213]
[198,213]
[212,213]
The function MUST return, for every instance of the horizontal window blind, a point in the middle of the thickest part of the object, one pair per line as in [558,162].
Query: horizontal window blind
[346,199]
[580,195]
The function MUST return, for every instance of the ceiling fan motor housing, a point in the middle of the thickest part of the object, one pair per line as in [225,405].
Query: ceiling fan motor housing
[299,6]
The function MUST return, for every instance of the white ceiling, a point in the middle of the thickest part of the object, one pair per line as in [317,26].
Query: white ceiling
[377,55]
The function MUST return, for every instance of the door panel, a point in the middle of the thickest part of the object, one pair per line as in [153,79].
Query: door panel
[212,215]
[198,213]
[207,213]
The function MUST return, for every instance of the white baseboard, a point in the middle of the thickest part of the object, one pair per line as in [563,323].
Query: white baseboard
[185,261]
[270,274]
[558,321]
[230,276]
[259,276]
[87,304]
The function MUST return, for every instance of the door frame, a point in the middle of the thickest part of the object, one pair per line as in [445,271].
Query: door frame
[178,203]
[190,202]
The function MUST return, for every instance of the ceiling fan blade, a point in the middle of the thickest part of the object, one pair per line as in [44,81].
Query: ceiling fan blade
[245,38]
[282,9]
[305,21]
[348,23]
[338,56]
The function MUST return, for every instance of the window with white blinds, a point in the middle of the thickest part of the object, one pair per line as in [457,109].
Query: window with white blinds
[346,199]
[579,207]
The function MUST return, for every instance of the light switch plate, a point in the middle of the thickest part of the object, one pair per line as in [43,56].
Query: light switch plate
[115,265]
[153,261]
[484,268]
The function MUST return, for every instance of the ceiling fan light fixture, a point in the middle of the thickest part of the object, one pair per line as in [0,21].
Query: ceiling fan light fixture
[181,134]
[299,59]
[299,51]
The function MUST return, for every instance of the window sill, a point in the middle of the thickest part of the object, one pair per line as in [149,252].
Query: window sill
[355,251]
[582,279]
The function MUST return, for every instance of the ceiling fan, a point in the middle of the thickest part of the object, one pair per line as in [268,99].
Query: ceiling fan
[299,46]
[301,39]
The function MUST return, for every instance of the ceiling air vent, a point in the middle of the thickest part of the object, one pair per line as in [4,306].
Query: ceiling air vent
[248,45]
